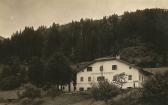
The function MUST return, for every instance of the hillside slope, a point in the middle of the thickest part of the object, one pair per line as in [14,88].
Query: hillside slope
[134,35]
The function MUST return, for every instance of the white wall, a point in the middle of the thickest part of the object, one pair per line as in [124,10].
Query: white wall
[108,73]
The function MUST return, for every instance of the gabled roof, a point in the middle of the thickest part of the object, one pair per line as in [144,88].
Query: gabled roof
[2,38]
[113,58]
[156,70]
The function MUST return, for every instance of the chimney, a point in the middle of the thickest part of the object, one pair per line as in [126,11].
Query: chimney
[117,56]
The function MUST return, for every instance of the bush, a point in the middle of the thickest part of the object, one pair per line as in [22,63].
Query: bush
[104,90]
[30,91]
[53,92]
[9,83]
[28,101]
[132,97]
[2,100]
[155,90]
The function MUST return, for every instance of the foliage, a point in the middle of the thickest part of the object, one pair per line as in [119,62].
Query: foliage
[155,90]
[27,101]
[104,90]
[36,71]
[58,71]
[120,80]
[140,37]
[2,100]
[29,91]
[6,71]
[141,56]
[130,98]
[53,92]
[9,83]
[88,39]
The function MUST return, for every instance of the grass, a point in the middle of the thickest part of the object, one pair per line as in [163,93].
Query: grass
[63,99]
[66,99]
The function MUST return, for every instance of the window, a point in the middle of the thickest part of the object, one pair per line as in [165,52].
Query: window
[89,79]
[88,88]
[101,68]
[114,78]
[89,68]
[129,87]
[129,77]
[81,78]
[81,89]
[130,67]
[100,78]
[114,67]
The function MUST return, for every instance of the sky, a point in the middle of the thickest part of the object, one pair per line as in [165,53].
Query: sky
[16,14]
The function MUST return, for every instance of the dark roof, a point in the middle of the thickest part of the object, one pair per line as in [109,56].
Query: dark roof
[2,38]
[156,70]
[79,66]
[113,58]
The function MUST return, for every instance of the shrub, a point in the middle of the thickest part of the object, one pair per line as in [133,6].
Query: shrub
[155,90]
[132,97]
[53,92]
[25,101]
[9,83]
[104,90]
[28,101]
[30,91]
[2,100]
[120,79]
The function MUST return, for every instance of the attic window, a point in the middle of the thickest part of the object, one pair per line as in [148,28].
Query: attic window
[89,68]
[114,67]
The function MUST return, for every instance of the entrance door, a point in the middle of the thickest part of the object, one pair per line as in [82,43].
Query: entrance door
[136,84]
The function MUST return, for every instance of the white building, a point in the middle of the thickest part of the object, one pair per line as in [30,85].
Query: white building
[107,68]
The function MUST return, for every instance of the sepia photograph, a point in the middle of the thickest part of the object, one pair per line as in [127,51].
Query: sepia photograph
[83,52]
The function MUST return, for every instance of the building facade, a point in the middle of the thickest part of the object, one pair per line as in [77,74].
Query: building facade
[107,69]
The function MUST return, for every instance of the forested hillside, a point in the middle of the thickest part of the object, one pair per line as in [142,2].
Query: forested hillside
[139,37]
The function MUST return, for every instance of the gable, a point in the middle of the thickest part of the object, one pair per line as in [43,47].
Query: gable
[107,66]
[107,63]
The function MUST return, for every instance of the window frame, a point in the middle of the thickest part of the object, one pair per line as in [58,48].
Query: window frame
[130,77]
[89,69]
[81,79]
[81,89]
[88,88]
[114,67]
[100,78]
[101,68]
[89,79]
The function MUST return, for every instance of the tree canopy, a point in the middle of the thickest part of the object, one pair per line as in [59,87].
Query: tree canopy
[88,39]
[139,37]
